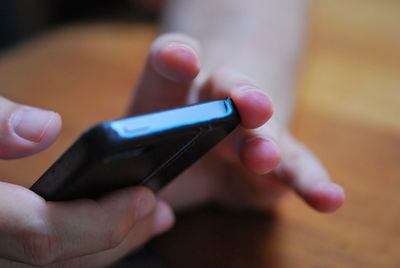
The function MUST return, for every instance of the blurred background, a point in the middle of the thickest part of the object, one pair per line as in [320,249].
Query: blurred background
[63,56]
[22,19]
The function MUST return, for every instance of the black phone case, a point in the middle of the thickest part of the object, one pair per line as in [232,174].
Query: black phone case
[103,160]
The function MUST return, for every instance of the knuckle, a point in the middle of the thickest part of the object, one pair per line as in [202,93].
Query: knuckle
[38,248]
[115,237]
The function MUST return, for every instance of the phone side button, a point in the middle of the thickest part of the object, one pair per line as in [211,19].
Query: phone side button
[128,130]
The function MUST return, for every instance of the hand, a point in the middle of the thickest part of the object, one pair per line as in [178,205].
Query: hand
[81,233]
[258,163]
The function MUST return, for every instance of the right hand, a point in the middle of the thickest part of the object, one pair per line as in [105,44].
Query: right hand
[253,167]
[80,233]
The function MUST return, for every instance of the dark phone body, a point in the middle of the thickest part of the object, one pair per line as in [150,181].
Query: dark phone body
[148,150]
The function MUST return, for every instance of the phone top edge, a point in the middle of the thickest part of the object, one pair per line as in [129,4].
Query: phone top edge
[176,118]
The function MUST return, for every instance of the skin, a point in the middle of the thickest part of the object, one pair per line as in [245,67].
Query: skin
[255,45]
[251,169]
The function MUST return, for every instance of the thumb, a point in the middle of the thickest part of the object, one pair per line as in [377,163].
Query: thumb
[25,130]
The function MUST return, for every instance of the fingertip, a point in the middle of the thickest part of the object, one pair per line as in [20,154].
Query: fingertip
[254,106]
[29,130]
[52,130]
[164,218]
[260,155]
[146,202]
[177,61]
[171,66]
[326,197]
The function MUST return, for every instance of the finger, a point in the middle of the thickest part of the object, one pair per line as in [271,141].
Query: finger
[157,222]
[251,144]
[38,232]
[260,154]
[253,104]
[306,175]
[164,218]
[171,66]
[25,130]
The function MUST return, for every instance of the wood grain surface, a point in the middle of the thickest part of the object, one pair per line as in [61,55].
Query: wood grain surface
[348,113]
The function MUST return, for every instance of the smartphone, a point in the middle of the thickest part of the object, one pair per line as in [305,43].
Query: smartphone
[149,150]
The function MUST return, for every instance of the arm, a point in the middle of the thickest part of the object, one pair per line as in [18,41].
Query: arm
[262,38]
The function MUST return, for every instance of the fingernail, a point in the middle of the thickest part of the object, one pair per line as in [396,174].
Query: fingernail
[330,187]
[244,89]
[31,123]
[146,205]
[177,62]
[164,219]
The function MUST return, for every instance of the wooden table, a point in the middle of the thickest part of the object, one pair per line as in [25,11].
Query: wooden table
[348,113]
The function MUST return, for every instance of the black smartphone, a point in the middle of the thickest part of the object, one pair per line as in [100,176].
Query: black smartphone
[150,150]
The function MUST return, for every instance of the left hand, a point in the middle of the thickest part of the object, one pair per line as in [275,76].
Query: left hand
[78,233]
